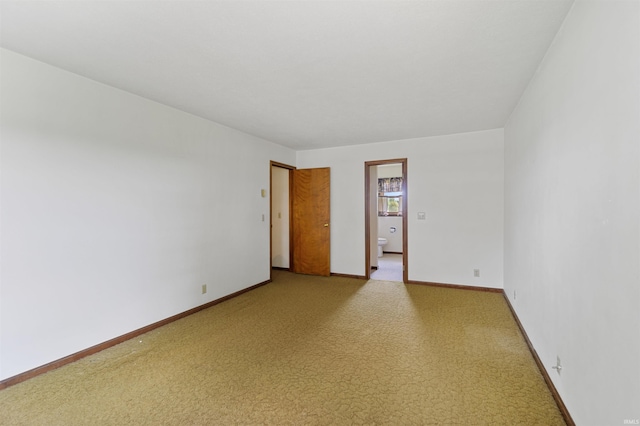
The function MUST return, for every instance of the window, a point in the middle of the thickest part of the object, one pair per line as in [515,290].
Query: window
[389,205]
[390,196]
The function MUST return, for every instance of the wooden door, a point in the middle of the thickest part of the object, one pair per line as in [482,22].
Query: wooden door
[310,220]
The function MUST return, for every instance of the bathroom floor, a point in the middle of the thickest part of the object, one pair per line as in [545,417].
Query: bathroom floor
[389,268]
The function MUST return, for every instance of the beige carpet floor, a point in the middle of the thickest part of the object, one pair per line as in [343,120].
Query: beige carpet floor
[307,350]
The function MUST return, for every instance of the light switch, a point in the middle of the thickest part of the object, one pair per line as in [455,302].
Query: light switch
[263,192]
[422,216]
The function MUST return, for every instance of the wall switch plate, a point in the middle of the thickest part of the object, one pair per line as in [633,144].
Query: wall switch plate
[422,216]
[204,288]
[476,272]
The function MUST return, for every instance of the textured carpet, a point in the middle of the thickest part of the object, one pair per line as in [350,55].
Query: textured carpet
[306,350]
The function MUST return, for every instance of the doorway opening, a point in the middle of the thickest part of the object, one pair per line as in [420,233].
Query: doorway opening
[386,220]
[280,216]
[300,211]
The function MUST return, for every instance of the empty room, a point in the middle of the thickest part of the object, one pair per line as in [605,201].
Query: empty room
[320,212]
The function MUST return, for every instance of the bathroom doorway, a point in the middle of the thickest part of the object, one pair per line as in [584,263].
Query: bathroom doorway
[386,220]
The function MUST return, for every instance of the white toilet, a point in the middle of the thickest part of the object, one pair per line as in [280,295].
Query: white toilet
[381,243]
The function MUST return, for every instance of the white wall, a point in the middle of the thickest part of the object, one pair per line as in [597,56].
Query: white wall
[572,205]
[394,239]
[389,170]
[280,217]
[457,180]
[115,210]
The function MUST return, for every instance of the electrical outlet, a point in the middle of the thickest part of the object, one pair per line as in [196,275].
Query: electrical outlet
[204,288]
[514,295]
[476,272]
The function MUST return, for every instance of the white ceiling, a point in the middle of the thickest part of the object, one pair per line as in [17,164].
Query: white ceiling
[305,74]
